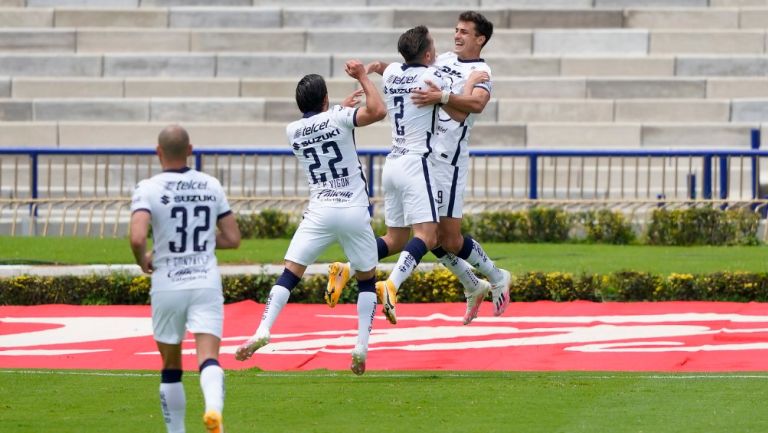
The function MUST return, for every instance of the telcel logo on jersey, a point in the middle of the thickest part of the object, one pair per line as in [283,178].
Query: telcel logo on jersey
[185,185]
[315,127]
[397,79]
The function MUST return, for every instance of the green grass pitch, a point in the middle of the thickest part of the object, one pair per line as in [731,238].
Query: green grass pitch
[404,402]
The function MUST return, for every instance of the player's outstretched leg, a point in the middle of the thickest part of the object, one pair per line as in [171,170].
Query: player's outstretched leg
[500,279]
[366,310]
[278,297]
[475,289]
[212,385]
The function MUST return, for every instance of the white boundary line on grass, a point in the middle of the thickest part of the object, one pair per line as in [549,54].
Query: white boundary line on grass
[576,375]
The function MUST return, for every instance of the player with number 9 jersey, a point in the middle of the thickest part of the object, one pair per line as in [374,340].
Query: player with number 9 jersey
[185,205]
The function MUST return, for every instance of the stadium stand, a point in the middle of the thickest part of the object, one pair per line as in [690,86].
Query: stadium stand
[568,74]
[613,73]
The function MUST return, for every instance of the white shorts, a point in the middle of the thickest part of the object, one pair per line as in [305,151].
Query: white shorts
[409,191]
[322,226]
[450,181]
[201,311]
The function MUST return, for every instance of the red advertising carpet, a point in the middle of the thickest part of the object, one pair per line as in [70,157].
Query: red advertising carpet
[539,336]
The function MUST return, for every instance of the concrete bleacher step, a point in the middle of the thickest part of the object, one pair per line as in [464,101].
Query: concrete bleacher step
[616,88]
[538,42]
[283,109]
[593,135]
[152,64]
[102,13]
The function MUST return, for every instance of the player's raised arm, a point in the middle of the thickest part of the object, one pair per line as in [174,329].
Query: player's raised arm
[374,109]
[377,67]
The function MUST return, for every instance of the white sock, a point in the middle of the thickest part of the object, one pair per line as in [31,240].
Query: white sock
[173,402]
[278,297]
[212,384]
[406,263]
[409,258]
[366,309]
[483,263]
[462,270]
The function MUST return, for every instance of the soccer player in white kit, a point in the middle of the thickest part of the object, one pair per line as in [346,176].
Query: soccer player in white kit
[184,207]
[338,211]
[470,79]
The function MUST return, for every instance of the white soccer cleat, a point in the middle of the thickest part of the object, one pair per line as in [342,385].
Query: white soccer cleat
[500,293]
[358,362]
[247,349]
[474,300]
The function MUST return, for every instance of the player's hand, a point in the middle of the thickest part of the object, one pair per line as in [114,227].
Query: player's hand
[477,77]
[375,67]
[146,264]
[353,99]
[355,69]
[429,96]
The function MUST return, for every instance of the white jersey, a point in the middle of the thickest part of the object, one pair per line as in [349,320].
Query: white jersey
[185,206]
[452,141]
[324,143]
[412,126]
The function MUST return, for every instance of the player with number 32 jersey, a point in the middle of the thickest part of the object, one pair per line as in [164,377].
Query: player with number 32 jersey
[185,205]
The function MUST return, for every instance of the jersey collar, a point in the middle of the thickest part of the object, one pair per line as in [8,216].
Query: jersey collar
[471,60]
[309,114]
[412,65]
[177,170]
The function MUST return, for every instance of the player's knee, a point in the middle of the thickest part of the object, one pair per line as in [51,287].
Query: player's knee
[430,239]
[365,275]
[452,244]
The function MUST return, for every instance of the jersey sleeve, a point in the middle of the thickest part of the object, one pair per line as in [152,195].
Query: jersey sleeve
[223,207]
[345,116]
[140,199]
[487,85]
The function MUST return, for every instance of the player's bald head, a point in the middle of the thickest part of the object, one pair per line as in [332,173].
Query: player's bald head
[174,142]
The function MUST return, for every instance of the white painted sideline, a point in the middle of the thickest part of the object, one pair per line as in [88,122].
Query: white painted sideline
[318,268]
[516,375]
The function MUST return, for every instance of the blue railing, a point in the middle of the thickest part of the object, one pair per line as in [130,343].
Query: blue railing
[533,157]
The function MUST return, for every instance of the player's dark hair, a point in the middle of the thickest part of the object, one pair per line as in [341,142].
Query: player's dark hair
[174,141]
[310,93]
[482,25]
[413,44]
